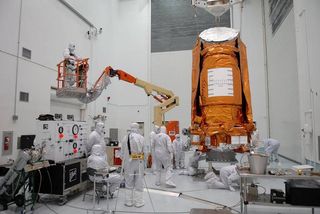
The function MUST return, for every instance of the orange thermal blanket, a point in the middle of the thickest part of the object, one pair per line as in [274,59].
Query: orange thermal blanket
[221,100]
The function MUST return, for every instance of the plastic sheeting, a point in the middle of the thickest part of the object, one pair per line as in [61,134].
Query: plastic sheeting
[94,93]
[221,100]
[85,96]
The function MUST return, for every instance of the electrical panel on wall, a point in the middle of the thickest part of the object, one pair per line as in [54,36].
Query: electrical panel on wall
[62,140]
[113,132]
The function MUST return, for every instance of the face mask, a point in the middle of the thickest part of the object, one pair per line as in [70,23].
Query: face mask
[100,129]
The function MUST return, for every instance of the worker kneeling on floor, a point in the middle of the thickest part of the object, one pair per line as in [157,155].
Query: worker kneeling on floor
[228,177]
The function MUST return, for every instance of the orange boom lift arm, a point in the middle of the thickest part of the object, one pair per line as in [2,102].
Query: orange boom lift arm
[166,97]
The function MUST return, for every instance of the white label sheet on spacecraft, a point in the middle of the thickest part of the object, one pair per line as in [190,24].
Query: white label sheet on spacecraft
[220,82]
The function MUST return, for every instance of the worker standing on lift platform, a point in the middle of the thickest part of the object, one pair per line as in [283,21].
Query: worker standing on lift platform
[70,61]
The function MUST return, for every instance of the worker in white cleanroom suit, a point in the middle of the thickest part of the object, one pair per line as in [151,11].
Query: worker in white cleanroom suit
[163,150]
[132,153]
[255,137]
[96,137]
[271,147]
[71,58]
[187,139]
[193,165]
[98,161]
[153,134]
[179,154]
[228,176]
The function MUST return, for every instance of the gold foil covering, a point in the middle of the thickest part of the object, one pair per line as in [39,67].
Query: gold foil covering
[220,117]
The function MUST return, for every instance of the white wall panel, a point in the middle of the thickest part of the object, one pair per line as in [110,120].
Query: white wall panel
[252,35]
[47,27]
[283,87]
[7,91]
[35,80]
[9,22]
[129,50]
[120,116]
[308,45]
[65,109]
[172,70]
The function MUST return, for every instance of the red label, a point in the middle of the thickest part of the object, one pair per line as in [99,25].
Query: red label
[61,135]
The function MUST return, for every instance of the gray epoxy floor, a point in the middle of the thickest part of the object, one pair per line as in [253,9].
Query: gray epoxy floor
[195,194]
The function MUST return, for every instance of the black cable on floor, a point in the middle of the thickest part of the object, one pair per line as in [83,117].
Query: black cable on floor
[52,210]
[210,202]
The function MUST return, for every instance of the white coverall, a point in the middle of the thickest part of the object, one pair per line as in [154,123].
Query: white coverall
[194,164]
[179,154]
[255,137]
[96,137]
[133,166]
[163,150]
[71,57]
[98,161]
[271,147]
[228,175]
[156,130]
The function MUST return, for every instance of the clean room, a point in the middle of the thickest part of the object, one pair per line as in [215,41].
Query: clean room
[159,106]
